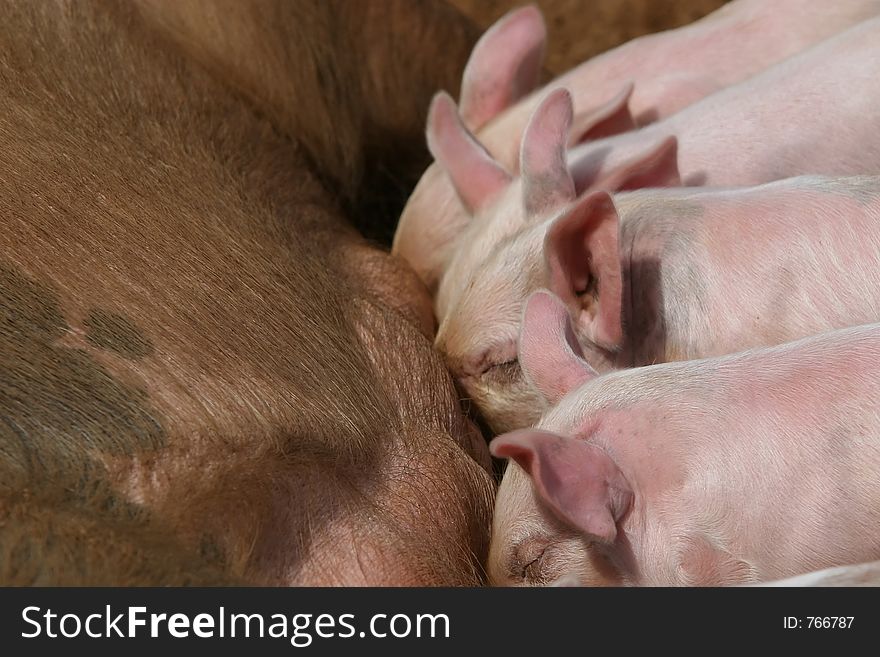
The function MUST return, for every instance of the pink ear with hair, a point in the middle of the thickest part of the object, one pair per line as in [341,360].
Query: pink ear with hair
[656,166]
[549,354]
[609,119]
[477,177]
[579,482]
[504,66]
[582,255]
[547,183]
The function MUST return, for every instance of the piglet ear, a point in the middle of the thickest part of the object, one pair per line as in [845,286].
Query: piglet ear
[582,254]
[504,66]
[547,184]
[478,179]
[578,481]
[609,119]
[656,166]
[549,353]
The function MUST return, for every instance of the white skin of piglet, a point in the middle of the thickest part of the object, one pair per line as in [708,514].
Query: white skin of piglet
[759,131]
[817,112]
[863,574]
[494,263]
[706,272]
[739,40]
[676,68]
[744,468]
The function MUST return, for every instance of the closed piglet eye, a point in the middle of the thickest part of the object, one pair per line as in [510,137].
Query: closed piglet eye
[532,571]
[506,372]
[544,566]
[527,560]
[493,360]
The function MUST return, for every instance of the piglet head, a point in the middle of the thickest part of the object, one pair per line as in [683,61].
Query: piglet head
[559,495]
[561,499]
[499,262]
[498,259]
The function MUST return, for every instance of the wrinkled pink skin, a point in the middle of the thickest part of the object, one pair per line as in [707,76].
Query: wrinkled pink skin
[738,469]
[734,43]
[705,272]
[863,574]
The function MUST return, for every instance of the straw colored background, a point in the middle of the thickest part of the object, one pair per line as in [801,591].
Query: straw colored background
[580,29]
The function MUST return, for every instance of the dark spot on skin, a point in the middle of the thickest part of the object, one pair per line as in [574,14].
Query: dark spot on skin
[679,251]
[211,551]
[862,189]
[654,328]
[677,209]
[24,308]
[644,319]
[116,333]
[59,408]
